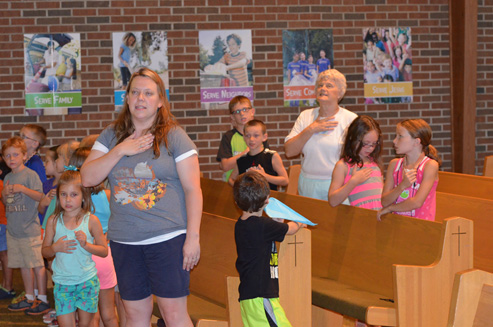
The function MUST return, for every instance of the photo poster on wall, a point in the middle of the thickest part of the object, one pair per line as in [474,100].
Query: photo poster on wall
[133,50]
[225,66]
[387,60]
[305,54]
[52,74]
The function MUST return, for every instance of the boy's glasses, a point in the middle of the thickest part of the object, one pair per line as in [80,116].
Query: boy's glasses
[370,145]
[24,137]
[237,112]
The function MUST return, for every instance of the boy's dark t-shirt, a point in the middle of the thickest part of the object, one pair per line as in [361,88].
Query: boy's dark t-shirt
[256,251]
[263,159]
[225,148]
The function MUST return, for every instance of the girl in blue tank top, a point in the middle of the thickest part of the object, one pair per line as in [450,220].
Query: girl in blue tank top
[72,236]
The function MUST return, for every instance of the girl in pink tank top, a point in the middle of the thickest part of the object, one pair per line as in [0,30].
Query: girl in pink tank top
[357,175]
[411,181]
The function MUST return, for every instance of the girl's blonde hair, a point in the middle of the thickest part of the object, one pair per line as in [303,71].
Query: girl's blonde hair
[73,177]
[419,129]
[77,160]
[67,149]
[164,122]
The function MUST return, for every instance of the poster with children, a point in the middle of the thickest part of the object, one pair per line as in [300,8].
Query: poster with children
[133,50]
[387,64]
[306,53]
[52,74]
[225,66]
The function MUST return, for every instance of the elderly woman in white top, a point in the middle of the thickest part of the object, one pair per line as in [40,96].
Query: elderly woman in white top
[318,134]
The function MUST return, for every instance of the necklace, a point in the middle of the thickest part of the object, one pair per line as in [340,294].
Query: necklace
[414,165]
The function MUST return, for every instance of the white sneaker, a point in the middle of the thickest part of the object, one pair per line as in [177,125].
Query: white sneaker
[49,316]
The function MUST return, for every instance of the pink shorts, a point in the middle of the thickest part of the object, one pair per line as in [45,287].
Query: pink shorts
[106,270]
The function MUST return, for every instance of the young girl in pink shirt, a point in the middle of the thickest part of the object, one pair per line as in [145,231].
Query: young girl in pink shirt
[357,175]
[411,181]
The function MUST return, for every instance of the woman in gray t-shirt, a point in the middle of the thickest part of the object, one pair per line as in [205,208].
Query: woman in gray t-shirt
[156,203]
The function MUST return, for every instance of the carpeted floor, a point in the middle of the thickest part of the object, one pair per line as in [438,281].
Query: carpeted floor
[19,319]
[8,318]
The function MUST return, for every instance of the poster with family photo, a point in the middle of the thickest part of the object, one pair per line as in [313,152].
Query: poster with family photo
[133,50]
[387,61]
[306,53]
[52,74]
[225,66]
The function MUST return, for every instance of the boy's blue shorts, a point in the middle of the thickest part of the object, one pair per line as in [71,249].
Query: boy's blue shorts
[142,270]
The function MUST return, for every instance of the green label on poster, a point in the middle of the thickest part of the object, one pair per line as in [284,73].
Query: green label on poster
[53,100]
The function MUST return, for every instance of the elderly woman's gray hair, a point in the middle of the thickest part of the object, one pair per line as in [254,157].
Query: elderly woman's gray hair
[334,76]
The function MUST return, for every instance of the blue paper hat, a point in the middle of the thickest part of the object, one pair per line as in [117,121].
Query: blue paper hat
[277,209]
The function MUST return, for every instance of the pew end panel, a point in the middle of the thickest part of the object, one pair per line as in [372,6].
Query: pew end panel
[488,166]
[479,211]
[293,175]
[423,294]
[233,305]
[484,314]
[294,281]
[295,277]
[472,290]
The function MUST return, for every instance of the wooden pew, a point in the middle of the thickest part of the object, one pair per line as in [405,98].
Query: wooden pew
[480,212]
[472,299]
[214,283]
[477,209]
[464,184]
[355,260]
[488,166]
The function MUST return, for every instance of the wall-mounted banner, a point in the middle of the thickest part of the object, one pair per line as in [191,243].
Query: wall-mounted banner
[52,74]
[387,60]
[132,50]
[225,66]
[306,53]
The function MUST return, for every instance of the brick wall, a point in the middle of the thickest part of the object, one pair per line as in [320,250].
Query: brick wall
[96,20]
[484,118]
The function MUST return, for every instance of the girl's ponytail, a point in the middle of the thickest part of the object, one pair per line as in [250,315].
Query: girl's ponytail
[432,152]
[419,129]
